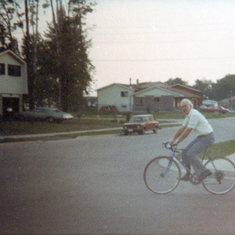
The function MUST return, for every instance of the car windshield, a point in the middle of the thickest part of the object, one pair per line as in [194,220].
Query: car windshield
[137,119]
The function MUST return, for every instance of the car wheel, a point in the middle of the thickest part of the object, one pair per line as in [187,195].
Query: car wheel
[155,130]
[50,119]
[142,132]
[125,132]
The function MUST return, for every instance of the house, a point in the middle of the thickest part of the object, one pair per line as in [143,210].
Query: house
[13,83]
[228,103]
[91,101]
[150,96]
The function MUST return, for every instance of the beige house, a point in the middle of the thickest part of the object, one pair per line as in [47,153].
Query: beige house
[13,82]
[151,96]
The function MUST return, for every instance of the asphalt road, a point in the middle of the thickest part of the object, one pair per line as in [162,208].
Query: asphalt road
[94,185]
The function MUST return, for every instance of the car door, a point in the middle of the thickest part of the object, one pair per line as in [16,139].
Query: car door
[151,123]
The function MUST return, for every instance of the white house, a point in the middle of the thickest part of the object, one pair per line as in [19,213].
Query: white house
[13,82]
[116,94]
[151,96]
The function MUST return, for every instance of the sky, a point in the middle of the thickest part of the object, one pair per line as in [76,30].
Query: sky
[155,40]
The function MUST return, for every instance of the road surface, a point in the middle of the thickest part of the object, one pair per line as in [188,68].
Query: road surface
[94,185]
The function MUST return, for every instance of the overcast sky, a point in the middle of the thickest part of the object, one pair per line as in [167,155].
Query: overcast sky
[155,40]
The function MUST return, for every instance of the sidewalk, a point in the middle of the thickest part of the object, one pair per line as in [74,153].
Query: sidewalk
[55,134]
[74,132]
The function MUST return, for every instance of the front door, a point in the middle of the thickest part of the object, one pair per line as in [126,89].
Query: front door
[10,106]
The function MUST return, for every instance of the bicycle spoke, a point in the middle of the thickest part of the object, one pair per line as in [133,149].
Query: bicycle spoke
[222,179]
[159,178]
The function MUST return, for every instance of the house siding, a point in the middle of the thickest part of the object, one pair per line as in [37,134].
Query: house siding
[12,88]
[196,102]
[146,97]
[12,84]
[112,96]
[150,103]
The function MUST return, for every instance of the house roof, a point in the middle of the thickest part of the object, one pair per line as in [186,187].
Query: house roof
[147,86]
[191,88]
[13,55]
[172,92]
[129,87]
[183,93]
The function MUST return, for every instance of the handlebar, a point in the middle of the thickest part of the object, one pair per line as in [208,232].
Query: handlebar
[173,148]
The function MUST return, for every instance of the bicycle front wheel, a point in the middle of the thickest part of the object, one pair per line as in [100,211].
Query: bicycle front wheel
[161,176]
[222,179]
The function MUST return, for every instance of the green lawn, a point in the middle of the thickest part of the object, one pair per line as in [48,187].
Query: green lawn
[21,128]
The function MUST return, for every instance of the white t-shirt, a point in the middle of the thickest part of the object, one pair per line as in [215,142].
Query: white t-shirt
[198,123]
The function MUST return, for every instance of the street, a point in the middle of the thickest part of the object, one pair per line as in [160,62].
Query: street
[94,185]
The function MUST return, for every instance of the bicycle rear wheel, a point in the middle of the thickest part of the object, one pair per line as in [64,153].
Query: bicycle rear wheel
[161,178]
[222,179]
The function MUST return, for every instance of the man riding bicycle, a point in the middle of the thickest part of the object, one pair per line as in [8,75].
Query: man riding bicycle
[194,120]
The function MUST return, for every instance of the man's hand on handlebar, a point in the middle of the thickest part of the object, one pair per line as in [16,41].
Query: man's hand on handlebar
[172,147]
[173,142]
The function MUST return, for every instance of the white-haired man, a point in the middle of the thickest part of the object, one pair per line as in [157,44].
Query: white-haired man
[194,121]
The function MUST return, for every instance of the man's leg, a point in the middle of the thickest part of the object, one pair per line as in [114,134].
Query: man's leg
[201,144]
[186,160]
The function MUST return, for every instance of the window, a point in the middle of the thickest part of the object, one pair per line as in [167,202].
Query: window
[14,70]
[124,93]
[2,69]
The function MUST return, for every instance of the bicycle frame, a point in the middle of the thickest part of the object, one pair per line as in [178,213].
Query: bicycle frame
[174,150]
[163,173]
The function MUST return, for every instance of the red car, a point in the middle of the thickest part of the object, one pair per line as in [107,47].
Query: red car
[141,124]
[218,109]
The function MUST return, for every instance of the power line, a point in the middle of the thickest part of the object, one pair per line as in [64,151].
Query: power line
[156,60]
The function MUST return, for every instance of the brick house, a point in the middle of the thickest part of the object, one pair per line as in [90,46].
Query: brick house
[151,96]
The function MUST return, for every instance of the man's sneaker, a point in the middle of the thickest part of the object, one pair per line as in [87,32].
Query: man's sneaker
[185,178]
[204,174]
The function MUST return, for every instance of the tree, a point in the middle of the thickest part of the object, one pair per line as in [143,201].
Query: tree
[225,87]
[175,81]
[205,86]
[73,67]
[11,19]
[8,24]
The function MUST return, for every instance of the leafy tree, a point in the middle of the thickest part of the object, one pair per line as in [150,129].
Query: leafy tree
[8,24]
[205,86]
[175,81]
[225,87]
[10,20]
[72,65]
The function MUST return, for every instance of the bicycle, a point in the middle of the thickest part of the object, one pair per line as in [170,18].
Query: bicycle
[162,174]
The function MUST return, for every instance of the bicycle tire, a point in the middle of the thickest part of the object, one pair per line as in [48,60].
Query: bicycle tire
[221,181]
[155,181]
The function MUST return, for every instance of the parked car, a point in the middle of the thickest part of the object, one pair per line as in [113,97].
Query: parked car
[140,124]
[232,111]
[218,109]
[203,108]
[44,114]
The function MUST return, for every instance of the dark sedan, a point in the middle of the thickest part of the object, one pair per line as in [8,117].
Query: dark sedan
[44,114]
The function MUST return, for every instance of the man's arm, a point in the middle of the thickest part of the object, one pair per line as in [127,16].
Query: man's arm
[177,134]
[184,134]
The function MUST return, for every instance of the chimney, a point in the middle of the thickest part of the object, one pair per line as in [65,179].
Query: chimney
[130,81]
[137,81]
